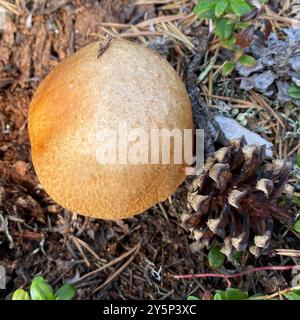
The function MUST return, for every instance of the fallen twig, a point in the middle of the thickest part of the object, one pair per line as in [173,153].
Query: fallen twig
[120,258]
[288,252]
[232,276]
[118,271]
[276,294]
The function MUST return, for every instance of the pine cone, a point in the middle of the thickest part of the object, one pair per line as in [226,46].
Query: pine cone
[235,199]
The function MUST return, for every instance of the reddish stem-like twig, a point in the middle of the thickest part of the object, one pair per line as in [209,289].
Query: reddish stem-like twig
[236,275]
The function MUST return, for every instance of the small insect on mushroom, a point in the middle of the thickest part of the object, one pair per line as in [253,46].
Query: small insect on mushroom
[84,106]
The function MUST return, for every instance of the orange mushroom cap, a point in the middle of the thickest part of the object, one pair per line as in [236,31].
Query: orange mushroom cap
[88,92]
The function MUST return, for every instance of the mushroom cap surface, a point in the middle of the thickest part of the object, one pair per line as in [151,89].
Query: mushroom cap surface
[88,92]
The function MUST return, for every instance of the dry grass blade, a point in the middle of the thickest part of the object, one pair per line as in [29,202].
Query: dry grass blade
[144,2]
[115,25]
[297,147]
[248,104]
[262,102]
[111,263]
[288,252]
[79,248]
[140,34]
[55,5]
[282,19]
[233,106]
[276,294]
[9,7]
[153,21]
[128,34]
[164,212]
[110,33]
[118,271]
[172,30]
[87,247]
[176,5]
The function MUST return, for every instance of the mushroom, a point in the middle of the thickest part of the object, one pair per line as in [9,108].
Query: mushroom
[97,89]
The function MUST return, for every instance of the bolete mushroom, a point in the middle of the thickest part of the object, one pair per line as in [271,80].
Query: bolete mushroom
[94,89]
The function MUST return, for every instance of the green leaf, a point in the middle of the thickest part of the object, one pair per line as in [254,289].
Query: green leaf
[219,295]
[235,294]
[242,25]
[229,43]
[247,61]
[293,295]
[66,292]
[238,52]
[192,298]
[220,7]
[281,200]
[294,91]
[227,68]
[238,256]
[296,226]
[208,14]
[224,28]
[296,201]
[215,257]
[40,290]
[255,296]
[204,5]
[20,294]
[298,160]
[239,7]
[37,279]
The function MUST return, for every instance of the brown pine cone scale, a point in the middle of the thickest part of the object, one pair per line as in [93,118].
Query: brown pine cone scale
[234,199]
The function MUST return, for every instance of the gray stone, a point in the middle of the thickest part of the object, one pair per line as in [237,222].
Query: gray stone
[264,80]
[233,130]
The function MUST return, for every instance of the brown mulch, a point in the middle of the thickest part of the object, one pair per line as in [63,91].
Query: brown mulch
[133,258]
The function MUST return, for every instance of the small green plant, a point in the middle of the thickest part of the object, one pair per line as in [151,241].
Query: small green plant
[296,226]
[296,201]
[298,155]
[292,295]
[215,257]
[231,294]
[237,294]
[228,294]
[294,92]
[234,26]
[40,290]
[190,298]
